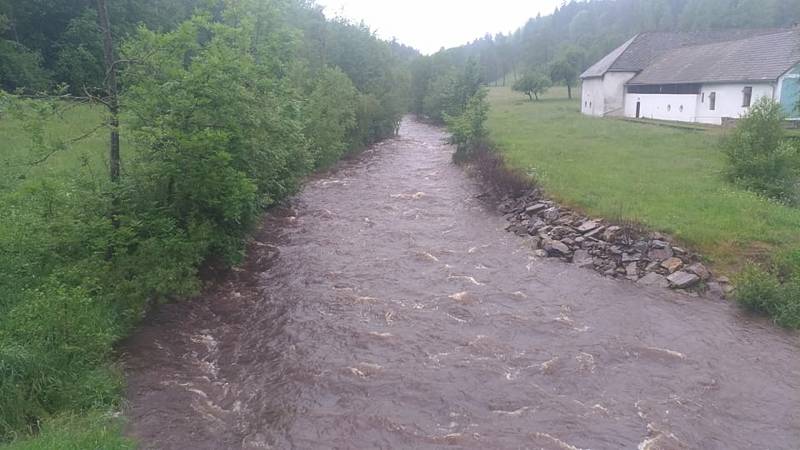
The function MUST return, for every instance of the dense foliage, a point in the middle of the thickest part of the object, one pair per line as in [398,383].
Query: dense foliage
[223,114]
[760,157]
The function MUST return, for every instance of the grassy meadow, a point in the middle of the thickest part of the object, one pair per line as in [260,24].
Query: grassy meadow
[664,177]
[21,163]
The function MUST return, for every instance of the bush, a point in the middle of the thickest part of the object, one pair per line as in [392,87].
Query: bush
[468,129]
[758,290]
[760,159]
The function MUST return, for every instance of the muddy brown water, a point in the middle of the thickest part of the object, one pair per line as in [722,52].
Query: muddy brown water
[387,308]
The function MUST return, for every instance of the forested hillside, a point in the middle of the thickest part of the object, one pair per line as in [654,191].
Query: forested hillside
[224,107]
[578,33]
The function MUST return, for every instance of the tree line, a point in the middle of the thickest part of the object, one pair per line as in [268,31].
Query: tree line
[219,110]
[561,45]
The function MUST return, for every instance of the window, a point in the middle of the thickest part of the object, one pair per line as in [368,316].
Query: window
[681,108]
[747,96]
[712,101]
[703,97]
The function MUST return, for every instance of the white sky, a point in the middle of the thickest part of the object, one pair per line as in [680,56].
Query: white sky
[428,25]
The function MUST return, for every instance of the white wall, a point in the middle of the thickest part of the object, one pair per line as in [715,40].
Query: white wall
[676,107]
[729,101]
[614,92]
[592,96]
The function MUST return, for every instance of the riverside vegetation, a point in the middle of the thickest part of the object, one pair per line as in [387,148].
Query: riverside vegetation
[224,109]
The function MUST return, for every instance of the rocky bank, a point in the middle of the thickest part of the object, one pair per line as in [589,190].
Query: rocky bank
[623,251]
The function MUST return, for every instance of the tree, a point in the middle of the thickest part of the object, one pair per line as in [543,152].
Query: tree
[532,84]
[112,101]
[566,68]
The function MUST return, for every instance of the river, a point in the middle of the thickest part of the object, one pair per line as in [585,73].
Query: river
[386,307]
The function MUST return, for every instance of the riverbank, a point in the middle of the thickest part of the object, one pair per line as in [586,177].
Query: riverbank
[666,179]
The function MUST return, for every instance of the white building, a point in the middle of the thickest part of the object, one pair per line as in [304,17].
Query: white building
[695,77]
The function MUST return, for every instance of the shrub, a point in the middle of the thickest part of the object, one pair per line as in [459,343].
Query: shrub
[468,129]
[762,291]
[760,159]
[758,290]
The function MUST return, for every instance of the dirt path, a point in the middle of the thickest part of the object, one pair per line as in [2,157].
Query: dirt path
[387,308]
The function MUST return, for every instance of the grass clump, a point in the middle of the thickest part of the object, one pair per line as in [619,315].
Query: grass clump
[94,431]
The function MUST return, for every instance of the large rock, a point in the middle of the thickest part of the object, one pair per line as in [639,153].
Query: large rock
[654,279]
[551,214]
[594,234]
[588,226]
[683,280]
[555,248]
[533,209]
[660,253]
[699,270]
[630,257]
[583,259]
[672,264]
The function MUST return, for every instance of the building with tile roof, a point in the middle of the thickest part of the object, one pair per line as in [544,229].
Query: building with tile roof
[701,77]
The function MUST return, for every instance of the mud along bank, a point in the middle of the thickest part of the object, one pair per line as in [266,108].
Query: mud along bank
[387,307]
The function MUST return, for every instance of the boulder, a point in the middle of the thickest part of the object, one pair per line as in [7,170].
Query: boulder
[630,257]
[594,233]
[588,226]
[672,264]
[551,214]
[660,253]
[657,243]
[699,270]
[533,209]
[683,280]
[654,279]
[555,248]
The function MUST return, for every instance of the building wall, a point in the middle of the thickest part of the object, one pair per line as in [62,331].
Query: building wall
[592,97]
[729,101]
[614,92]
[788,92]
[678,107]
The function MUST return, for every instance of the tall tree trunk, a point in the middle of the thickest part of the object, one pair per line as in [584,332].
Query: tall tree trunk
[569,91]
[112,103]
[111,90]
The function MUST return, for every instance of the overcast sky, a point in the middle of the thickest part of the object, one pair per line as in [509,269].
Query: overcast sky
[428,25]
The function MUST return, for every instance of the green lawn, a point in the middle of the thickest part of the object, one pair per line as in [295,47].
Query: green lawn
[667,178]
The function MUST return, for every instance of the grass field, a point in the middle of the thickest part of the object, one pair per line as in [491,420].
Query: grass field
[20,160]
[666,178]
